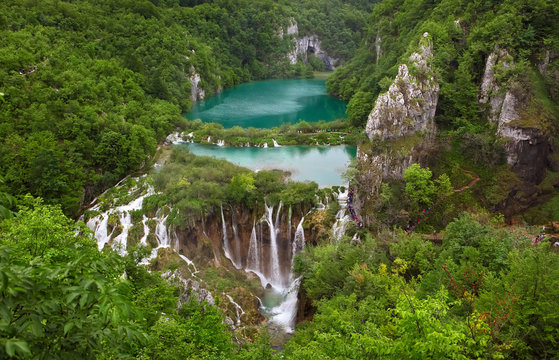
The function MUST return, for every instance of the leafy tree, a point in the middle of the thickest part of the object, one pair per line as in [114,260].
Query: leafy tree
[419,186]
[359,108]
[241,188]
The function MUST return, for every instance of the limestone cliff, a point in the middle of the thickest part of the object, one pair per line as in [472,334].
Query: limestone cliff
[522,121]
[400,126]
[196,92]
[410,103]
[306,46]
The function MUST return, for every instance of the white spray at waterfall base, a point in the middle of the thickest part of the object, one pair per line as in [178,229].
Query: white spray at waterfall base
[280,300]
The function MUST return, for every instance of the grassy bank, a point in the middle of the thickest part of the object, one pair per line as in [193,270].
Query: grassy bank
[302,133]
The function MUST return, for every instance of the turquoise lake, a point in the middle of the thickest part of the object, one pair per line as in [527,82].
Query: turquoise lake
[266,104]
[321,164]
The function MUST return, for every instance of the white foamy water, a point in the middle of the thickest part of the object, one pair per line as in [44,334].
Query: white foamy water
[100,225]
[342,217]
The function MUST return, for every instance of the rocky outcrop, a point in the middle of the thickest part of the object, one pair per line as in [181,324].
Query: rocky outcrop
[196,92]
[491,93]
[190,289]
[523,123]
[507,105]
[306,46]
[411,101]
[400,126]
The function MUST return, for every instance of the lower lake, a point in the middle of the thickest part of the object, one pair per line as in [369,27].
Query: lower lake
[321,164]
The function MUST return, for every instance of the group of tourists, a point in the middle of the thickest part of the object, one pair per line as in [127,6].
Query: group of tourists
[350,208]
[413,225]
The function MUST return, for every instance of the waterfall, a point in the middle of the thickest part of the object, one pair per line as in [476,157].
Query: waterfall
[342,218]
[253,260]
[265,145]
[226,246]
[161,232]
[100,222]
[144,238]
[220,143]
[238,260]
[276,143]
[298,240]
[275,271]
[120,241]
[289,215]
[285,313]
[238,309]
[99,226]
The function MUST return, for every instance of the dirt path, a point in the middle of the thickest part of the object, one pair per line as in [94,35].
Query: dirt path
[475,178]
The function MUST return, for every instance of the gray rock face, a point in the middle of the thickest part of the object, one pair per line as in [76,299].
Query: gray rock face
[526,146]
[305,46]
[189,289]
[197,93]
[491,93]
[406,109]
[411,101]
[311,45]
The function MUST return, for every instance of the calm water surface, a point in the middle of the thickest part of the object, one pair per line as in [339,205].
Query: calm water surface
[266,104]
[321,164]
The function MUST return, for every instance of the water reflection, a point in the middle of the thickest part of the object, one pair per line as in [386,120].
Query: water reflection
[321,164]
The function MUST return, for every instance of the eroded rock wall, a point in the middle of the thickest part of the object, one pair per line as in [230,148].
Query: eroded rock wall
[410,103]
[306,46]
[400,127]
[522,122]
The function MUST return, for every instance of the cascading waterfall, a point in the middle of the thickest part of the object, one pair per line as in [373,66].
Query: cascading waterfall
[289,215]
[161,232]
[254,252]
[238,309]
[144,238]
[120,241]
[226,245]
[280,300]
[285,313]
[100,224]
[238,260]
[275,271]
[342,218]
[299,240]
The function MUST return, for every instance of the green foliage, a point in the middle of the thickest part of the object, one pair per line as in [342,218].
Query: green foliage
[302,133]
[60,298]
[419,186]
[486,293]
[327,268]
[422,190]
[241,188]
[89,89]
[359,107]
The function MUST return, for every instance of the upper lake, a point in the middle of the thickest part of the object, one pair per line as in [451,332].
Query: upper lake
[267,104]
